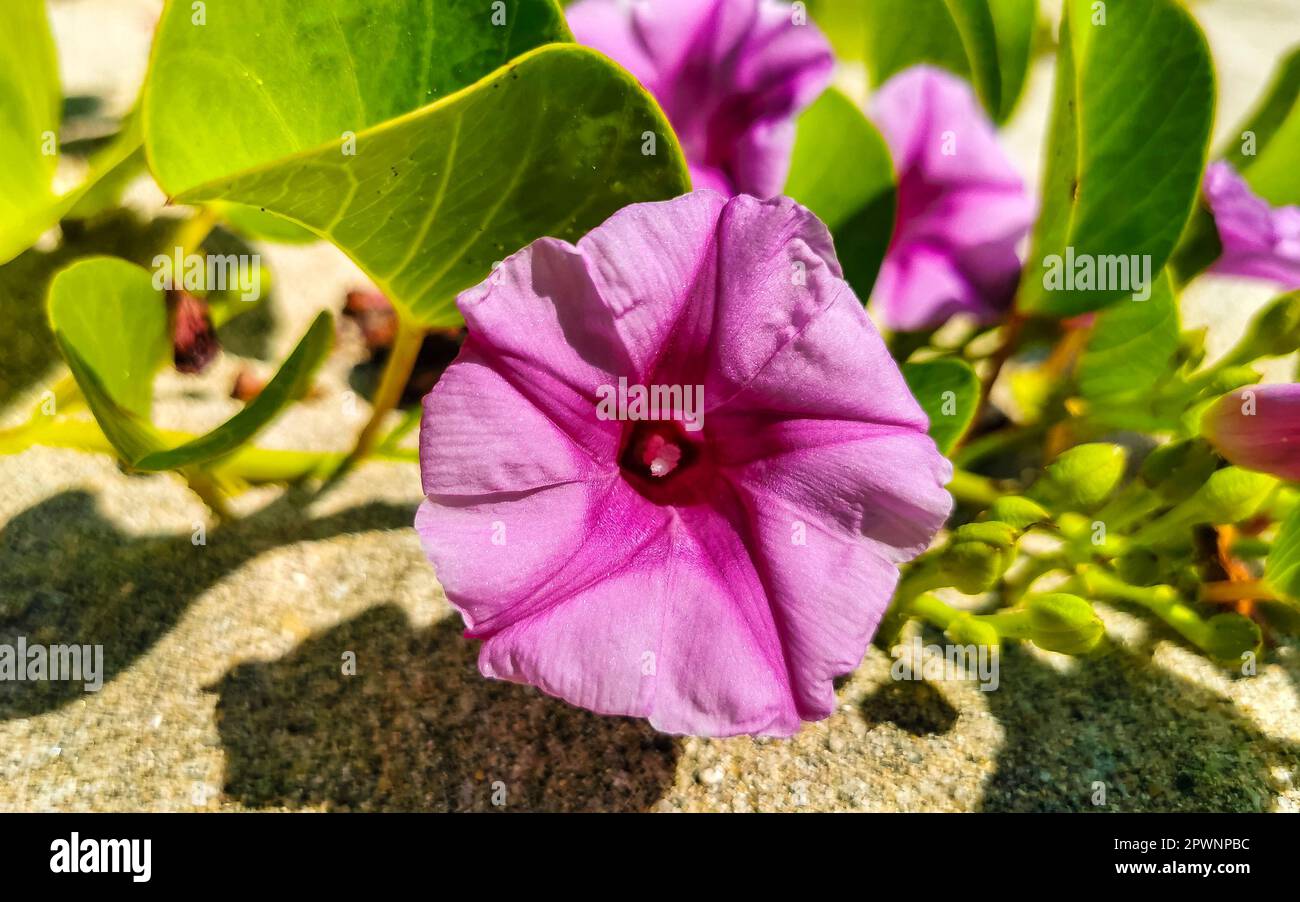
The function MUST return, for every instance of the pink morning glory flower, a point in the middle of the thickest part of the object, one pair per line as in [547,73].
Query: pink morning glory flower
[674,470]
[962,208]
[731,75]
[1259,241]
[1258,428]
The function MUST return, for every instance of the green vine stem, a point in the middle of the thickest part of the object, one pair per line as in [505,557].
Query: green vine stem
[1241,590]
[252,465]
[1224,637]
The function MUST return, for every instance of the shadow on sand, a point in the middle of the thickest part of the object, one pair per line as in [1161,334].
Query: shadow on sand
[417,728]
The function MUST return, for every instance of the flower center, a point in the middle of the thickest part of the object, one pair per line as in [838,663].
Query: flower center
[657,451]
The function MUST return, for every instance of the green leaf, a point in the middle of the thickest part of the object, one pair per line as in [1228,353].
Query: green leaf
[949,392]
[1282,570]
[111,325]
[257,225]
[30,100]
[903,33]
[109,311]
[979,37]
[1275,126]
[471,139]
[1134,101]
[132,436]
[841,170]
[1132,347]
[986,41]
[1015,23]
[256,82]
[289,384]
[30,110]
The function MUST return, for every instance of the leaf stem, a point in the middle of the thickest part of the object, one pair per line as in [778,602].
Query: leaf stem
[191,233]
[209,492]
[397,372]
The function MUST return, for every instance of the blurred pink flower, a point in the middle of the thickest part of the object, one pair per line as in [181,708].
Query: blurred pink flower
[714,580]
[731,76]
[1258,428]
[1259,241]
[962,208]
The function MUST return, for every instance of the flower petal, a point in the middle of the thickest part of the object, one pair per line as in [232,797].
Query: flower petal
[683,635]
[962,207]
[608,28]
[1258,427]
[502,558]
[540,324]
[783,332]
[920,285]
[650,264]
[920,109]
[1259,242]
[731,76]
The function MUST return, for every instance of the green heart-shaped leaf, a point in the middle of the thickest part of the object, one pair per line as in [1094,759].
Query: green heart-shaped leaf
[426,140]
[132,436]
[841,170]
[1132,347]
[1134,101]
[289,383]
[111,325]
[949,392]
[30,98]
[256,225]
[30,111]
[275,79]
[109,311]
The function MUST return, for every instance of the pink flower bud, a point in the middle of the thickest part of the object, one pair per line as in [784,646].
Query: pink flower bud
[1258,427]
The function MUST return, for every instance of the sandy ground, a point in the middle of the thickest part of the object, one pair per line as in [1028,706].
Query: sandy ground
[225,685]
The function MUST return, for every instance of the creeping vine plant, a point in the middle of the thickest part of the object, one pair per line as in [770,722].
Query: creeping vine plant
[428,143]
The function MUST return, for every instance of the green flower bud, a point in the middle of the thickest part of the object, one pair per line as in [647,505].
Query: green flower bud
[1229,495]
[1139,567]
[977,556]
[1018,512]
[1232,378]
[1274,332]
[970,630]
[1083,477]
[1229,636]
[1001,535]
[1063,623]
[1232,494]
